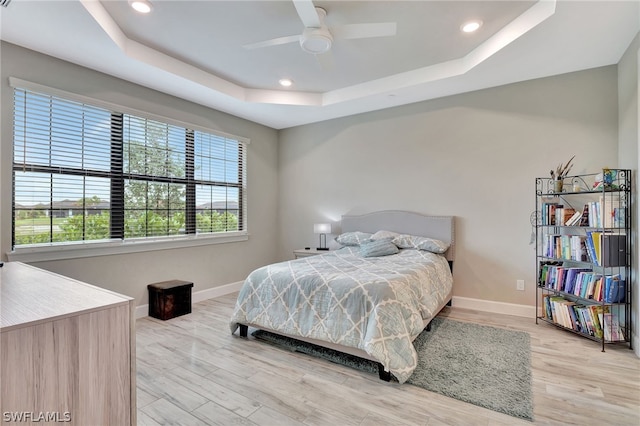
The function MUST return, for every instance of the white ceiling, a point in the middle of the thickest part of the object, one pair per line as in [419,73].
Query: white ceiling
[194,49]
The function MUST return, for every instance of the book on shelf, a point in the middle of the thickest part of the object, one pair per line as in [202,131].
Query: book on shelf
[563,214]
[546,309]
[573,322]
[565,313]
[583,249]
[585,318]
[611,328]
[596,214]
[608,203]
[544,270]
[596,241]
[598,289]
[606,248]
[619,217]
[605,213]
[549,308]
[614,289]
[574,219]
[554,213]
[584,220]
[591,286]
[593,320]
[600,248]
[569,247]
[596,312]
[573,274]
[613,249]
[558,311]
[582,282]
[591,251]
[552,308]
[549,212]
[578,248]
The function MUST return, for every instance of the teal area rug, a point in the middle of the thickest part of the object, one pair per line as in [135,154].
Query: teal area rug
[486,366]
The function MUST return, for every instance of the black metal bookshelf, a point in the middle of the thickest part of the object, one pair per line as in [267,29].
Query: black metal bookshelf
[583,255]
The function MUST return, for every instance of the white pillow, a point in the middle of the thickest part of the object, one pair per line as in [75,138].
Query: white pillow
[421,243]
[383,235]
[354,238]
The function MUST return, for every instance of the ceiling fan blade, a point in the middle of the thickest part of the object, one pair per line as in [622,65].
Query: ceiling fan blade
[351,31]
[326,61]
[273,42]
[307,13]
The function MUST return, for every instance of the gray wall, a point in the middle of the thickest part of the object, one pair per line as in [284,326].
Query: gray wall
[474,156]
[629,135]
[207,266]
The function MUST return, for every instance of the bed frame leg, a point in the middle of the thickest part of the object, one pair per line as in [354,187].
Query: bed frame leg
[243,330]
[384,375]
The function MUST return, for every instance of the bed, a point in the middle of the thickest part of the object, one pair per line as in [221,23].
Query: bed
[368,306]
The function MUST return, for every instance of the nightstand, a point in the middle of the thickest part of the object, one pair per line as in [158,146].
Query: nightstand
[298,253]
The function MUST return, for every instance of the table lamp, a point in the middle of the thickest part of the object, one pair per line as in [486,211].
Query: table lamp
[323,229]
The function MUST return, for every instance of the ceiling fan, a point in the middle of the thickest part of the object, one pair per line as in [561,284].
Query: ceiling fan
[316,37]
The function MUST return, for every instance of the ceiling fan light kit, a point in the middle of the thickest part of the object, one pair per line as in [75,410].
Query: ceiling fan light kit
[316,40]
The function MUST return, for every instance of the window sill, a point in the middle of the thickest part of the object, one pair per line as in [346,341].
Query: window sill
[93,249]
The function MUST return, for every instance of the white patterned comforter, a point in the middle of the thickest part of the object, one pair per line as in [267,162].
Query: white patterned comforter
[376,304]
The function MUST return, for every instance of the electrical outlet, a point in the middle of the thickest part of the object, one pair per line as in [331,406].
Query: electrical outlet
[520,285]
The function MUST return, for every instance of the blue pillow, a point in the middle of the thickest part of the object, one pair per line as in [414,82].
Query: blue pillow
[377,248]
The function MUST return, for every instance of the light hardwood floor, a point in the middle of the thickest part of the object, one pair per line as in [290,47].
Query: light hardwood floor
[192,371]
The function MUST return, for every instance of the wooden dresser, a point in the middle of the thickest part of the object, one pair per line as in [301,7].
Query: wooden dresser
[67,350]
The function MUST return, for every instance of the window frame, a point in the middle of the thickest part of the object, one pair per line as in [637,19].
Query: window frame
[90,248]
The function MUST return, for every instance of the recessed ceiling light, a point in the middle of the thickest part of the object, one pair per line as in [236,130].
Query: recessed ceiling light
[142,6]
[471,26]
[285,82]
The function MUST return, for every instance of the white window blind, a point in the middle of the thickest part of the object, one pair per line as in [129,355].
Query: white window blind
[88,173]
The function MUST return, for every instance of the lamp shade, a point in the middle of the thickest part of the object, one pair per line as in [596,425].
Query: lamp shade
[321,228]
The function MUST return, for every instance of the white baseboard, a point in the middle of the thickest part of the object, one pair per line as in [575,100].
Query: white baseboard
[212,293]
[528,311]
[198,296]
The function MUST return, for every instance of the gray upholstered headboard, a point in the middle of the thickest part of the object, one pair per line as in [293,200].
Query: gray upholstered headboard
[438,227]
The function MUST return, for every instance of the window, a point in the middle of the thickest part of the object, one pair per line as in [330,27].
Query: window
[83,173]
